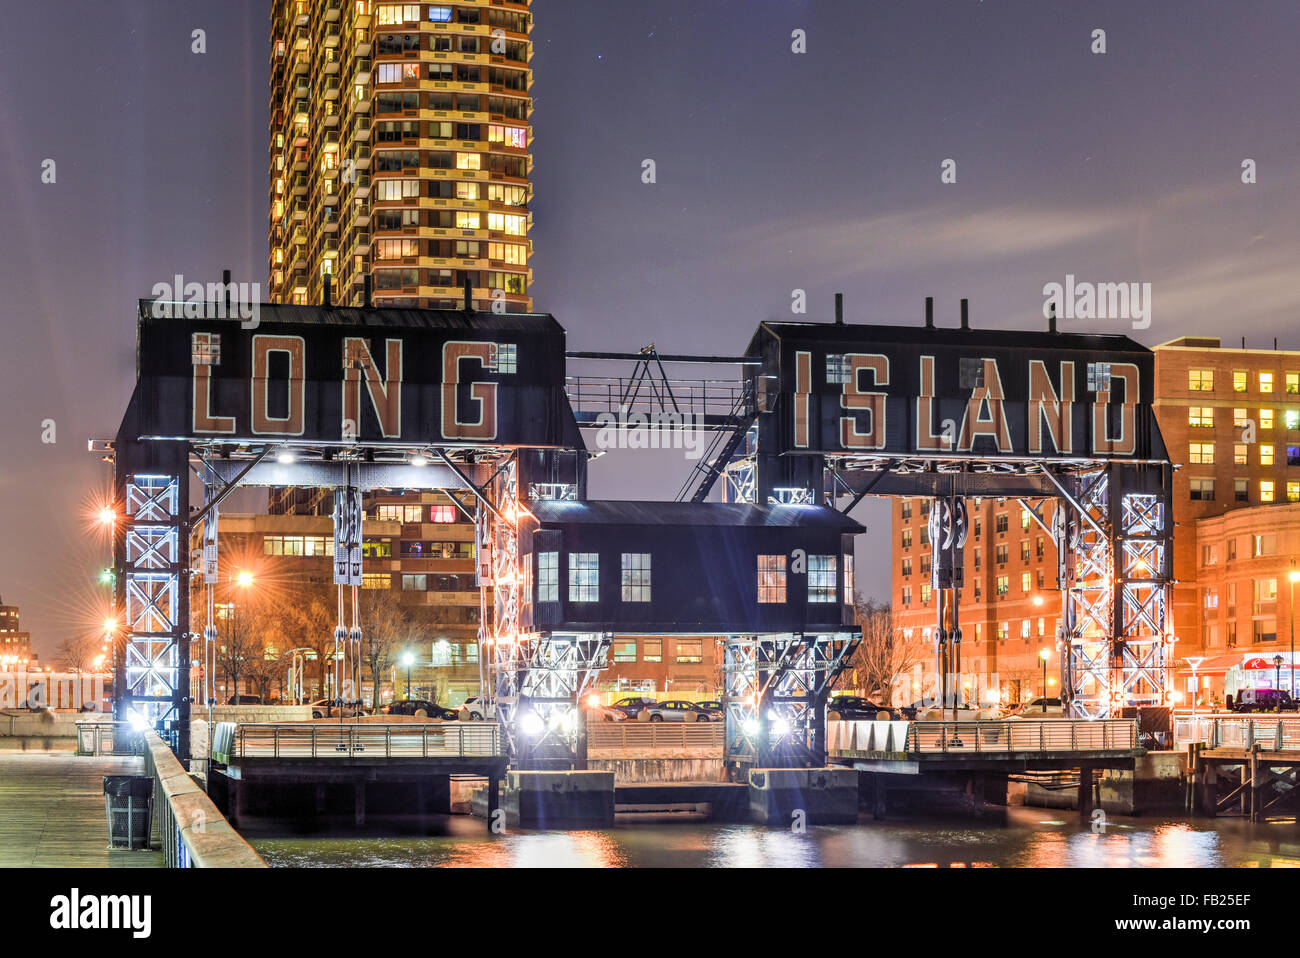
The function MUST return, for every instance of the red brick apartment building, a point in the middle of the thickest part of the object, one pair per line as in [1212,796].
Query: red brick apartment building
[1231,422]
[417,545]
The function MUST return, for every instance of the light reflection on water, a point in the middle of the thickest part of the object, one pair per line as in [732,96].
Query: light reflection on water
[1024,837]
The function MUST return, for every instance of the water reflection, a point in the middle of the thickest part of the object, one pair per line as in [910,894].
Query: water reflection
[1022,837]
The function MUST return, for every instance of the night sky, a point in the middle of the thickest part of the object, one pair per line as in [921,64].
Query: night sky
[775,171]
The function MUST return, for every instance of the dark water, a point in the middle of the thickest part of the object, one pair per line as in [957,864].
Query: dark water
[1022,837]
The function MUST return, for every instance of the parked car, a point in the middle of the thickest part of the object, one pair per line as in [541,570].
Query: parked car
[608,713]
[716,712]
[632,705]
[326,708]
[675,710]
[1037,708]
[1263,700]
[478,709]
[854,708]
[244,700]
[423,708]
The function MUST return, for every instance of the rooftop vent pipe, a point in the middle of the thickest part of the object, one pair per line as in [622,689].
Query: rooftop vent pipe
[839,309]
[929,312]
[965,314]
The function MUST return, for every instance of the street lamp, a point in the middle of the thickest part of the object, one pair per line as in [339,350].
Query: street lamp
[1277,673]
[408,660]
[1044,655]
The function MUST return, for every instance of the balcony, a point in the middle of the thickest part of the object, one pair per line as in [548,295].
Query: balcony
[332,88]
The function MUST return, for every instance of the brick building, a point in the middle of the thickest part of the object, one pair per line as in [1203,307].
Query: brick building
[15,644]
[419,546]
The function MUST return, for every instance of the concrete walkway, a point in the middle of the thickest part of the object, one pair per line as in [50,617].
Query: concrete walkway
[52,812]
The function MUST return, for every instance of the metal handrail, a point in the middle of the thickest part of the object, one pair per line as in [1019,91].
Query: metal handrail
[1017,735]
[392,740]
[1274,733]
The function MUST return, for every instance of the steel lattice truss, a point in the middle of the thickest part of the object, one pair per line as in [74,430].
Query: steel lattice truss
[1114,549]
[535,680]
[777,685]
[147,657]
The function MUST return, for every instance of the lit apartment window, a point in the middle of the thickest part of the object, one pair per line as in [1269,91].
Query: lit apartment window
[469,161]
[1265,591]
[1266,382]
[1266,454]
[771,580]
[1042,627]
[1210,598]
[1024,550]
[636,577]
[1200,380]
[1024,628]
[848,580]
[1004,584]
[625,651]
[1239,454]
[652,650]
[1292,383]
[548,577]
[467,221]
[1266,490]
[1026,582]
[1293,455]
[1266,419]
[1239,418]
[1200,416]
[1201,454]
[584,576]
[821,578]
[376,580]
[1004,630]
[442,513]
[1209,555]
[1263,545]
[690,651]
[1292,418]
[440,14]
[415,583]
[1240,377]
[1292,491]
[1024,518]
[925,592]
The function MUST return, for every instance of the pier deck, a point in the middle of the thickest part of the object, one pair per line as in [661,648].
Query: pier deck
[52,812]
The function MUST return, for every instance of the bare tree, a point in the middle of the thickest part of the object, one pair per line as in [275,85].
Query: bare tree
[884,655]
[78,654]
[238,646]
[386,628]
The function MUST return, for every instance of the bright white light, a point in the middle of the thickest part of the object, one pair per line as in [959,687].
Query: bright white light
[531,724]
[138,722]
[418,460]
[593,701]
[408,660]
[751,727]
[285,457]
[778,725]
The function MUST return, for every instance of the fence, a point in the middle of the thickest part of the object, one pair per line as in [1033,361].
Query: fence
[1275,734]
[193,833]
[325,740]
[1016,735]
[651,736]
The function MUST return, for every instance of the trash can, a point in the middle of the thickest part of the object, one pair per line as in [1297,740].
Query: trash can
[128,803]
